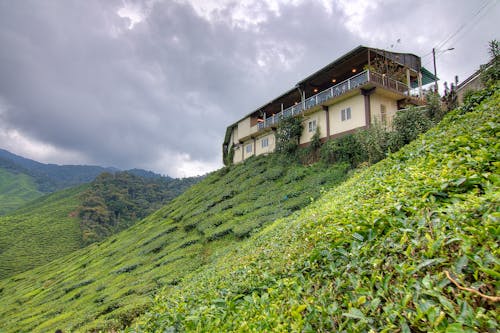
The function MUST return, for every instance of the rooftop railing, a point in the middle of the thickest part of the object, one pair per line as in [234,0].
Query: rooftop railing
[334,91]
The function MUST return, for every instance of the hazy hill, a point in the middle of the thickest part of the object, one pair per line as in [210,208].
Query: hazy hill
[22,179]
[57,224]
[52,177]
[239,252]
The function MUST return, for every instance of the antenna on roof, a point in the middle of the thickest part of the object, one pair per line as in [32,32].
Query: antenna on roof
[398,41]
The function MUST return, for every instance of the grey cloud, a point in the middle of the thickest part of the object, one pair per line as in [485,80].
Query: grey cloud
[75,77]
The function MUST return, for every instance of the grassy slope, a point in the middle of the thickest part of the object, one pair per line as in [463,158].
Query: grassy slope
[108,284]
[15,190]
[39,232]
[371,254]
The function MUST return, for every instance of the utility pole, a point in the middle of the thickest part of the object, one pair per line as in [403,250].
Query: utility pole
[435,72]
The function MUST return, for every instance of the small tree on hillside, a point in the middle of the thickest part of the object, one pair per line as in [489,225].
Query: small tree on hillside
[491,73]
[288,135]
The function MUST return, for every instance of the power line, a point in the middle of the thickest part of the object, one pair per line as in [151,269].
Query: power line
[467,23]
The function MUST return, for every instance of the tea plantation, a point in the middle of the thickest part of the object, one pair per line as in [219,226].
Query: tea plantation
[107,285]
[15,190]
[408,245]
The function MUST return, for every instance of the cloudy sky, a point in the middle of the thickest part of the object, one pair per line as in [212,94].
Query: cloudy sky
[154,84]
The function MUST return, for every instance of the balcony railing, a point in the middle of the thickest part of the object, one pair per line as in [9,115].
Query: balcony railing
[334,91]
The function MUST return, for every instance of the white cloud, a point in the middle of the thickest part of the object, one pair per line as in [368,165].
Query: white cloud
[25,146]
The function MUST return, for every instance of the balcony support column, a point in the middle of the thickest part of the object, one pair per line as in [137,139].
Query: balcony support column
[327,112]
[368,112]
[420,85]
[408,82]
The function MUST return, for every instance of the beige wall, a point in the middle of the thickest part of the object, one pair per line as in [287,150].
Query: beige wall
[271,144]
[391,107]
[320,117]
[244,128]
[237,158]
[357,105]
[244,147]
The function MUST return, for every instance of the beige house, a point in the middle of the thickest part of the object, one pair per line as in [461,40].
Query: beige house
[361,87]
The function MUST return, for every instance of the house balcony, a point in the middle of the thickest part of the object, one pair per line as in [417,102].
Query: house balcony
[362,79]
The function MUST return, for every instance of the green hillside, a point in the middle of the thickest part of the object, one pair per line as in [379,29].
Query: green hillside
[240,251]
[373,254]
[108,284]
[57,224]
[41,231]
[15,190]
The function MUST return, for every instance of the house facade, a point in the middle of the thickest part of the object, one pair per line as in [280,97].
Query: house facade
[364,86]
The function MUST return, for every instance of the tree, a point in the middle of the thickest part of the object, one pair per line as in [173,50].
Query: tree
[491,71]
[288,134]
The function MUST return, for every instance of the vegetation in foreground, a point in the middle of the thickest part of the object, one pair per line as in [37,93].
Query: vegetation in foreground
[408,245]
[107,285]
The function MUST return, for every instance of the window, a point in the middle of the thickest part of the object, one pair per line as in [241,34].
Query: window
[264,142]
[345,114]
[383,114]
[312,125]
[249,148]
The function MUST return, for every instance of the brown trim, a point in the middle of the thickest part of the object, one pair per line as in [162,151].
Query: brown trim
[352,131]
[307,144]
[334,136]
[368,111]
[327,111]
[254,146]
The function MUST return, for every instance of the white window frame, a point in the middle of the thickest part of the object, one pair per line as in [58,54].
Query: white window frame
[345,114]
[264,143]
[312,125]
[383,114]
[248,148]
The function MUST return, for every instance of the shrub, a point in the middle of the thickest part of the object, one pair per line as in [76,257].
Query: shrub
[288,135]
[373,141]
[408,125]
[344,149]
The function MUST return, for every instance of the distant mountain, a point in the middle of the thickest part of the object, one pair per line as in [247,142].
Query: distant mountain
[52,177]
[23,179]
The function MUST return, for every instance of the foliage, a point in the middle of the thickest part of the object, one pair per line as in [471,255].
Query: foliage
[122,272]
[288,135]
[39,232]
[345,149]
[434,109]
[15,189]
[114,202]
[229,157]
[407,125]
[310,154]
[371,255]
[391,69]
[57,224]
[472,99]
[491,72]
[373,142]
